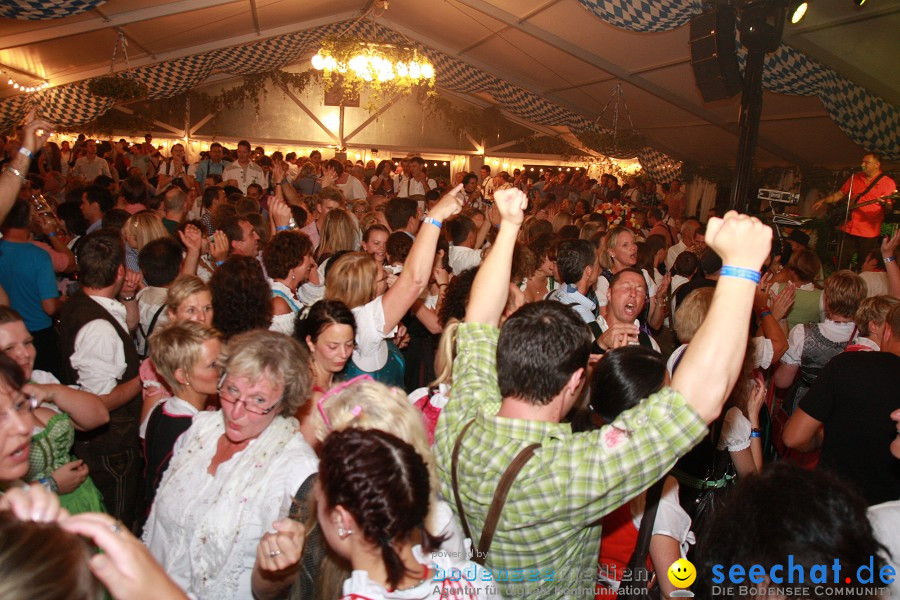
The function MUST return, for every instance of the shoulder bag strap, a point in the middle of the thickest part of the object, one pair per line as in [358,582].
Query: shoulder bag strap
[671,296]
[642,548]
[496,509]
[455,479]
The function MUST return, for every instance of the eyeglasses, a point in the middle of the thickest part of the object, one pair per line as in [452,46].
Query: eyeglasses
[26,405]
[335,390]
[257,405]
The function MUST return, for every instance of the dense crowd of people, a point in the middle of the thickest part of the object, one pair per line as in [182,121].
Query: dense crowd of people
[266,376]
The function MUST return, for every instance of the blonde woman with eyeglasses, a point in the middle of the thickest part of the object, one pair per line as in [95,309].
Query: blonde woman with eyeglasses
[235,473]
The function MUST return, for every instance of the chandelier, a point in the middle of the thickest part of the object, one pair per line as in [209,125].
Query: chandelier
[374,62]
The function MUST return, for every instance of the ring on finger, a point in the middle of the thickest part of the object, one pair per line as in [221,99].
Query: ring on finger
[274,553]
[116,527]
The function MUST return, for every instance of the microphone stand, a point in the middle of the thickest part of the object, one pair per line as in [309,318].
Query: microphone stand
[846,216]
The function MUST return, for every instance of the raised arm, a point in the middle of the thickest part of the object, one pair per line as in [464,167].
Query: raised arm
[417,268]
[491,286]
[50,226]
[482,234]
[281,182]
[718,346]
[34,135]
[129,290]
[768,318]
[192,238]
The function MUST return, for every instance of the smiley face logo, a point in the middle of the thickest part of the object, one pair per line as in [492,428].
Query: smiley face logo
[682,573]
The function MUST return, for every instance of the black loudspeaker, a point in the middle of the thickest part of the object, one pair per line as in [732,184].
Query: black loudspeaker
[713,54]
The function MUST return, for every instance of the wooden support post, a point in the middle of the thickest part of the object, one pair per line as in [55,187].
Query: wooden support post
[166,126]
[310,113]
[368,121]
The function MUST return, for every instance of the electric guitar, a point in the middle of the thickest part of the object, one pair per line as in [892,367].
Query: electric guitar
[879,200]
[837,212]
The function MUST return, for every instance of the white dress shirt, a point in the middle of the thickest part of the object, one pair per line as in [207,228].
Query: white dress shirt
[410,187]
[462,258]
[99,356]
[244,176]
[673,253]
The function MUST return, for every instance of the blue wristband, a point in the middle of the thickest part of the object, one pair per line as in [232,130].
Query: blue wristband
[26,152]
[283,228]
[433,221]
[755,433]
[219,263]
[51,234]
[49,484]
[888,259]
[740,273]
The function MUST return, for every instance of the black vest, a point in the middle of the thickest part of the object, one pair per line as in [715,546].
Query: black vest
[122,430]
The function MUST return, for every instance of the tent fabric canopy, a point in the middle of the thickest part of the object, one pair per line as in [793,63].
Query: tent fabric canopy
[73,104]
[45,9]
[867,119]
[541,60]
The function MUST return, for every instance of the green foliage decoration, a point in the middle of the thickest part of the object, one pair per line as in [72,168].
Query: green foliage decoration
[622,144]
[120,88]
[249,92]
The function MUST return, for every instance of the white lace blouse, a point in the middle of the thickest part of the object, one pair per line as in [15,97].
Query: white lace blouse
[204,529]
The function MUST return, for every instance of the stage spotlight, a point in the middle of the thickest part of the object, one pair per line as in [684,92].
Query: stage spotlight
[798,11]
[859,2]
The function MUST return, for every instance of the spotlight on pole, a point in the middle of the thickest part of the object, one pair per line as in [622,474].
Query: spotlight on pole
[859,2]
[798,11]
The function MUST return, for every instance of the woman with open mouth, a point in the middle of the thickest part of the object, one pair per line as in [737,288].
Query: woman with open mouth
[57,411]
[619,251]
[235,472]
[16,423]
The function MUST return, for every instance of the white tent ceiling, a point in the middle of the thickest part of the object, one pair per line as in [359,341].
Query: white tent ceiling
[554,48]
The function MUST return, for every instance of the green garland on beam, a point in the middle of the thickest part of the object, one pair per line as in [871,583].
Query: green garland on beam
[251,90]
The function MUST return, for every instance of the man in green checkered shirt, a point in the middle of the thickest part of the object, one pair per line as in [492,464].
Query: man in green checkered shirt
[517,383]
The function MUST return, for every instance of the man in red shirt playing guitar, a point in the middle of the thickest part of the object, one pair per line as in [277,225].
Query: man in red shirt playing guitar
[871,190]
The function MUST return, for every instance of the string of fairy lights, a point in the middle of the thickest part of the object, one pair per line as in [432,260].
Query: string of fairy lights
[15,84]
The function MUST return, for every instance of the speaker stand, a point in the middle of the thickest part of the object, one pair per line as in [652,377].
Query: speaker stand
[751,111]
